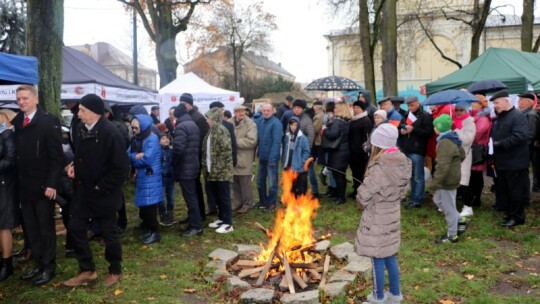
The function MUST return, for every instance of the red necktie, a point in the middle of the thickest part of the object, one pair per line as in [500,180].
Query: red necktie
[26,121]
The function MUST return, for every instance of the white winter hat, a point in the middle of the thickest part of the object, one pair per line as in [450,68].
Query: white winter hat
[385,136]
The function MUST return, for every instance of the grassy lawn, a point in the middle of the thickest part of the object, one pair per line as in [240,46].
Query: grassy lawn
[489,265]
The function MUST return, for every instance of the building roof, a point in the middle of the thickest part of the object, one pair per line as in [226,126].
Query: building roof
[263,61]
[108,55]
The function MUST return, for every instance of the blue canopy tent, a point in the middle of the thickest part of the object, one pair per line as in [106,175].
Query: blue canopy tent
[15,69]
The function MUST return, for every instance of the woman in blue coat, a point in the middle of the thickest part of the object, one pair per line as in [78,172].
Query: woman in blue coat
[145,156]
[295,154]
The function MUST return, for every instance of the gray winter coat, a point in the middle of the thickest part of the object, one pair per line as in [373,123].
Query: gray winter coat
[379,233]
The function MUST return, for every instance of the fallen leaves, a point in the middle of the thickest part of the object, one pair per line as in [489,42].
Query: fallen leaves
[163,276]
[469,276]
[118,292]
[447,302]
[190,290]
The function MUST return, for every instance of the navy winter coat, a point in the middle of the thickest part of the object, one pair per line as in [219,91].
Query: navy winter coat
[186,148]
[269,132]
[148,189]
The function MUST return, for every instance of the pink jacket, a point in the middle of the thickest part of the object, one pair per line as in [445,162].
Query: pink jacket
[483,128]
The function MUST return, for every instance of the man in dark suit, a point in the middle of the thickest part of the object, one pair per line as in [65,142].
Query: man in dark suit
[99,169]
[38,142]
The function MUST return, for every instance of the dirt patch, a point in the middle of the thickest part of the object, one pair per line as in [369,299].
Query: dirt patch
[192,299]
[512,286]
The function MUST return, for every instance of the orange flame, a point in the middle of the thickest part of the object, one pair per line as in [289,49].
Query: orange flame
[292,227]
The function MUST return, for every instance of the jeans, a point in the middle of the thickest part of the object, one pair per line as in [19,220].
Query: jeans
[168,186]
[272,172]
[417,178]
[378,276]
[313,179]
[220,192]
[189,192]
[332,180]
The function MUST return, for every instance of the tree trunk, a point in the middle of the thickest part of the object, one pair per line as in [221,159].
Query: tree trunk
[527,19]
[44,40]
[389,43]
[365,39]
[480,15]
[235,67]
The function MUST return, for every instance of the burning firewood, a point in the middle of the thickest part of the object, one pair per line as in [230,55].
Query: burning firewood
[247,272]
[264,230]
[288,274]
[314,274]
[249,263]
[299,280]
[325,271]
[304,265]
[266,267]
[312,244]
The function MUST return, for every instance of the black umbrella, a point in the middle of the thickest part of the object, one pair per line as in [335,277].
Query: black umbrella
[333,83]
[486,86]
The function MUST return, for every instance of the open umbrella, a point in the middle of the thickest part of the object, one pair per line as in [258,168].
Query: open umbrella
[449,97]
[333,83]
[486,86]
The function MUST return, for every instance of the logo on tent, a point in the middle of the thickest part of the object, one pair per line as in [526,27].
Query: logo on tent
[231,98]
[173,98]
[103,92]
[79,90]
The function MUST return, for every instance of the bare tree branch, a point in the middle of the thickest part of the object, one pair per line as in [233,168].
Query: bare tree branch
[430,37]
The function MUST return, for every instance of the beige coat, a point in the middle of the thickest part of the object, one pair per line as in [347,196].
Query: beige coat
[467,135]
[246,142]
[379,233]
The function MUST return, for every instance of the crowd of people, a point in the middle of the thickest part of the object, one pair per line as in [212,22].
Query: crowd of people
[84,169]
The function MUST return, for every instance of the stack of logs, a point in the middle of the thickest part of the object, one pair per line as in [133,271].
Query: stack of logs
[312,272]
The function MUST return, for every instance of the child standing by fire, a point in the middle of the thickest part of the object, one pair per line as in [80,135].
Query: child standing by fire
[379,234]
[295,154]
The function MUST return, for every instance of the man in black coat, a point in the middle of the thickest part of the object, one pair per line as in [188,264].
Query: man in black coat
[187,100]
[511,150]
[414,137]
[99,169]
[284,107]
[185,150]
[359,131]
[38,140]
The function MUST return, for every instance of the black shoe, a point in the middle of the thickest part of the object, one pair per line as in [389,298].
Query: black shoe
[6,268]
[30,274]
[445,239]
[412,205]
[512,223]
[153,237]
[70,253]
[315,195]
[330,192]
[192,232]
[44,278]
[167,219]
[145,234]
[211,212]
[339,201]
[506,217]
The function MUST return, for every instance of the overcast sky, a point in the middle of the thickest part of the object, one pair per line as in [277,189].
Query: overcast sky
[299,44]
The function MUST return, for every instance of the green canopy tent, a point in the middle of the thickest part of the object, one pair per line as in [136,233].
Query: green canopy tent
[518,70]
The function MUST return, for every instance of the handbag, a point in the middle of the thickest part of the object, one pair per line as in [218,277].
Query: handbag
[479,154]
[331,144]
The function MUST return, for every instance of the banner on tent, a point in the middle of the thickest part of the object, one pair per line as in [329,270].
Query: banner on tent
[77,91]
[202,101]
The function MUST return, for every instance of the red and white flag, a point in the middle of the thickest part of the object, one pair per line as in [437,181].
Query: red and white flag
[410,119]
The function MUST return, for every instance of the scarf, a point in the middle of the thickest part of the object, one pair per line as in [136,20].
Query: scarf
[458,121]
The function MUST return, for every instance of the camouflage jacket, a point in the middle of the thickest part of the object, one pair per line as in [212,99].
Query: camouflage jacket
[221,164]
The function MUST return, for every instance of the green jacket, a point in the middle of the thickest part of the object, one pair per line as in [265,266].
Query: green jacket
[448,170]
[221,164]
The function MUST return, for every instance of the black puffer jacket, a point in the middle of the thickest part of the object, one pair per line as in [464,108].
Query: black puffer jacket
[511,141]
[338,159]
[416,141]
[186,148]
[359,130]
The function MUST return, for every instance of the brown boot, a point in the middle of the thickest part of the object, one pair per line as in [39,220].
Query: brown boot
[111,279]
[80,279]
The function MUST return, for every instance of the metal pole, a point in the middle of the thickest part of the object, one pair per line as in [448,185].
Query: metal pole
[135,64]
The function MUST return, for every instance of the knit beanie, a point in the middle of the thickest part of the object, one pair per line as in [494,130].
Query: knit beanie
[360,104]
[93,103]
[381,113]
[186,97]
[299,103]
[443,123]
[385,136]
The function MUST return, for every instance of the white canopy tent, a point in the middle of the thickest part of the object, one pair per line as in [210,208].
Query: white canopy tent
[203,94]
